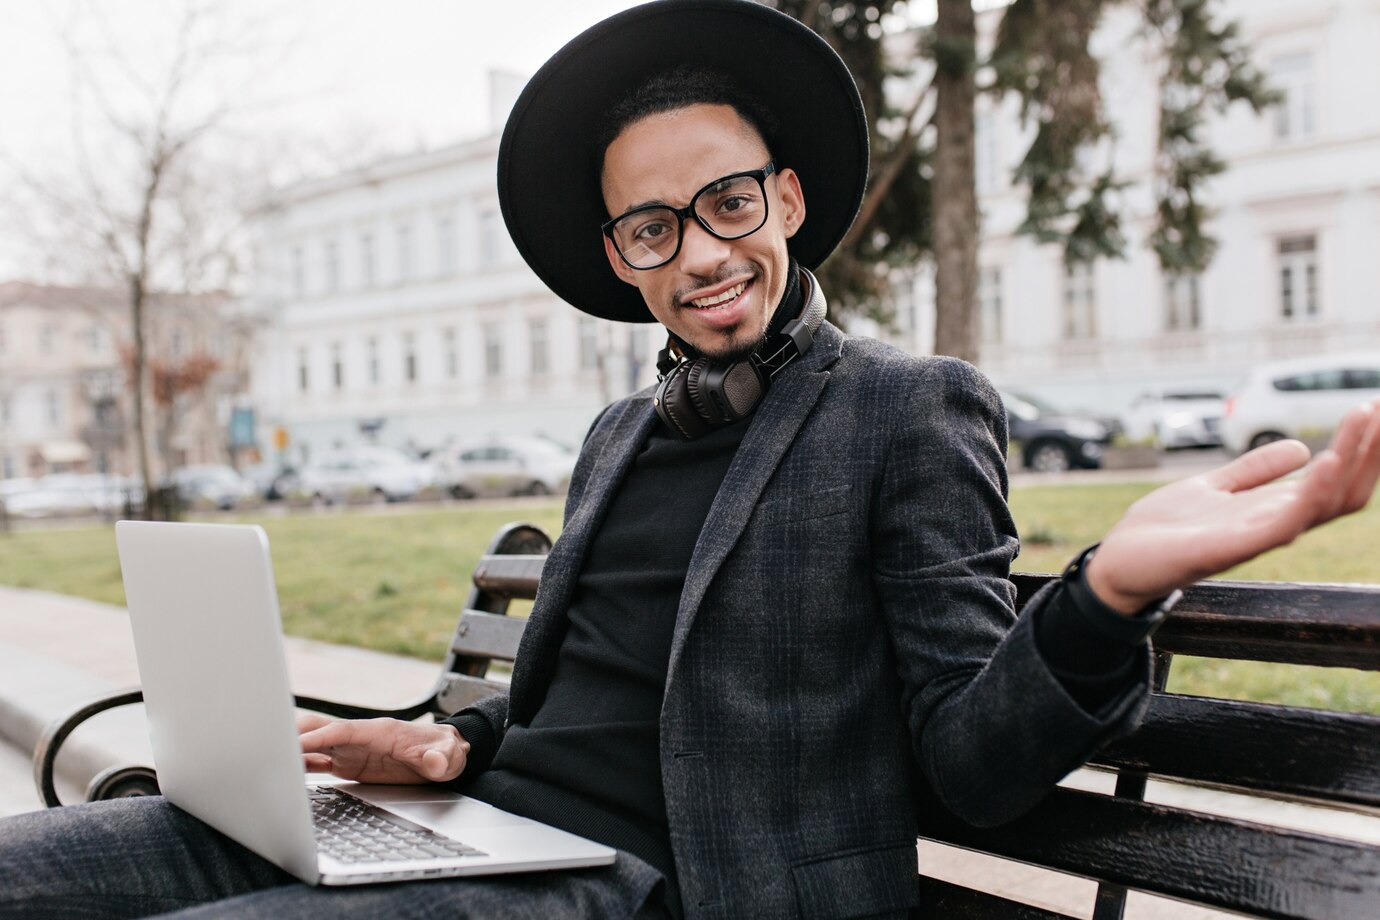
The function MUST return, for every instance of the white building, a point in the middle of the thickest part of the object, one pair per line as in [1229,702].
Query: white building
[397,310]
[396,304]
[1297,219]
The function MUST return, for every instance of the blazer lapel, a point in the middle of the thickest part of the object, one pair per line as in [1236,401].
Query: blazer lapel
[773,429]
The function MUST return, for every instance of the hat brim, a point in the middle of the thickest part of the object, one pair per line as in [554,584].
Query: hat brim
[548,164]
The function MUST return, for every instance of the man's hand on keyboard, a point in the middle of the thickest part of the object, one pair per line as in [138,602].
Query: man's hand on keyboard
[381,750]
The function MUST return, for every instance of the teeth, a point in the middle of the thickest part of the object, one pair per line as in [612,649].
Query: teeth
[725,297]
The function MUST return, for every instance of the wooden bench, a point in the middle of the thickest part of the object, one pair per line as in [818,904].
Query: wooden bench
[1118,840]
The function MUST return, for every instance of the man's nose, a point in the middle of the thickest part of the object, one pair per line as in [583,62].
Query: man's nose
[701,252]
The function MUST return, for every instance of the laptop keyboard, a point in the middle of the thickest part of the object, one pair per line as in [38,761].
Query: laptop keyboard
[353,831]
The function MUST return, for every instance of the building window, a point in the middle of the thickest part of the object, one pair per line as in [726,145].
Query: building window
[4,411]
[332,267]
[1183,309]
[372,347]
[1080,301]
[541,360]
[447,259]
[404,252]
[179,343]
[409,357]
[299,273]
[337,367]
[589,343]
[493,350]
[989,304]
[303,375]
[1298,278]
[451,346]
[54,407]
[366,260]
[93,340]
[1295,117]
[46,336]
[489,230]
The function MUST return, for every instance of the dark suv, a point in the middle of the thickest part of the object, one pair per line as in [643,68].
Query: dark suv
[1051,441]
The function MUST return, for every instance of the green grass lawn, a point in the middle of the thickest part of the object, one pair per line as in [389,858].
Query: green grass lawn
[396,582]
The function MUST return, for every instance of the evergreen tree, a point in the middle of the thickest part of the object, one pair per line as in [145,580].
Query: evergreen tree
[1042,54]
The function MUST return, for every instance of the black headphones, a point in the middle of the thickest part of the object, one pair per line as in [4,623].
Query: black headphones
[696,396]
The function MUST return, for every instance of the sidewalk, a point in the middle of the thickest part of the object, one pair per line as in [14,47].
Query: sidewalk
[57,652]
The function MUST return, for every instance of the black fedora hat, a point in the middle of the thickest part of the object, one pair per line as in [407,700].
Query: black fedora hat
[548,161]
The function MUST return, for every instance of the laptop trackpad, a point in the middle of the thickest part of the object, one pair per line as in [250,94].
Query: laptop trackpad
[435,808]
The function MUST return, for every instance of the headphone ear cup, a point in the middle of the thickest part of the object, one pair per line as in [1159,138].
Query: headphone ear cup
[694,386]
[675,405]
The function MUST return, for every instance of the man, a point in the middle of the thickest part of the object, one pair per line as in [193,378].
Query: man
[781,583]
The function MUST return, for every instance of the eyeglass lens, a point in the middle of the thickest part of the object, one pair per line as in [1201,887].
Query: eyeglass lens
[729,209]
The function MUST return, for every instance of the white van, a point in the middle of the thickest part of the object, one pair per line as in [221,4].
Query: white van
[1299,398]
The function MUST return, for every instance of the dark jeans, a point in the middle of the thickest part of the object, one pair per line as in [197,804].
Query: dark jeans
[141,856]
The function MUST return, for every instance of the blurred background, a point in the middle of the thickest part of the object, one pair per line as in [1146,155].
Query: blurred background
[253,250]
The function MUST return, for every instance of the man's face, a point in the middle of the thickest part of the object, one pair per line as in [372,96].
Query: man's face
[665,159]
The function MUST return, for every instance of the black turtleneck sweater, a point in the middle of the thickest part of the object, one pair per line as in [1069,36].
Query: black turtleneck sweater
[589,760]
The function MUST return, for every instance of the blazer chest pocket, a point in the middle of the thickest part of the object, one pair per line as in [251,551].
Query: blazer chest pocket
[806,506]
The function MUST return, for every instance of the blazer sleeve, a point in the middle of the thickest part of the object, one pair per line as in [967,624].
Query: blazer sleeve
[991,727]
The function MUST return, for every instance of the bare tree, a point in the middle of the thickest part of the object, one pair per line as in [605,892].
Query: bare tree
[148,210]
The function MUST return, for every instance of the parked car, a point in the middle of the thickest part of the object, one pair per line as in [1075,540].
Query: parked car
[210,483]
[1053,441]
[1299,398]
[507,466]
[379,472]
[272,481]
[1172,418]
[64,494]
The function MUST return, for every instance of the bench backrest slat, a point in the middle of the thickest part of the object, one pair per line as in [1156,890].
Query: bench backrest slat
[460,690]
[488,635]
[509,576]
[1219,862]
[1328,756]
[1323,625]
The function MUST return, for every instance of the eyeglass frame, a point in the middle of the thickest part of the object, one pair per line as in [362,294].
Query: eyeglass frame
[760,175]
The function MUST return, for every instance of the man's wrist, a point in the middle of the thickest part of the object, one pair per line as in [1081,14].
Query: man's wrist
[1113,619]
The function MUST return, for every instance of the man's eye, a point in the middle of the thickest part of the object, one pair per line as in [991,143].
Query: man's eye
[737,203]
[651,231]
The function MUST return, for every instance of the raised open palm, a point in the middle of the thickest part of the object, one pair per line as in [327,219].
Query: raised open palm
[1199,526]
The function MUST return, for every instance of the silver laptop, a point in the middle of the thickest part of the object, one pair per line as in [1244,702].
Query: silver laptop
[208,638]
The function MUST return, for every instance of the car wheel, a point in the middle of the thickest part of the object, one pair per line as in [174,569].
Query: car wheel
[538,488]
[380,497]
[1049,457]
[460,492]
[1265,437]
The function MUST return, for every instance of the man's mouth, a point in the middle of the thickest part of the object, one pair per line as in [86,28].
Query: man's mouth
[719,299]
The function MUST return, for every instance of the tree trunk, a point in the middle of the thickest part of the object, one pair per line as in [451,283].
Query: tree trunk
[138,366]
[955,196]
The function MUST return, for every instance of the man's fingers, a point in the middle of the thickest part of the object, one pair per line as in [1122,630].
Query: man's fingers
[317,763]
[307,721]
[1259,466]
[1366,470]
[333,733]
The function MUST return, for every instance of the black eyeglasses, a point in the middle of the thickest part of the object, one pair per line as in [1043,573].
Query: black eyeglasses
[729,208]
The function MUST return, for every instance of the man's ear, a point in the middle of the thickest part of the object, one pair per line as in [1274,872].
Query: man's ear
[792,201]
[620,268]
